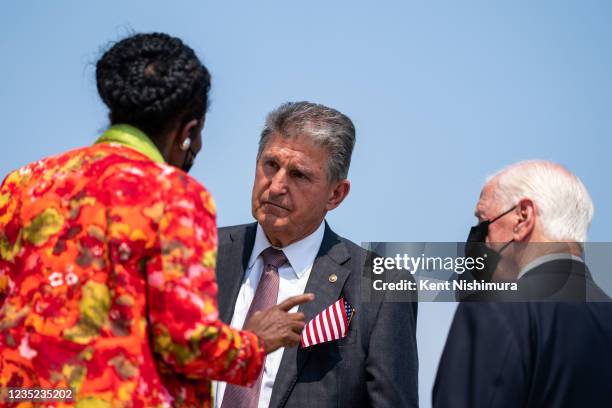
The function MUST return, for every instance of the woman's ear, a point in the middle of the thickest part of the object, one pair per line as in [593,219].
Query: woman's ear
[187,132]
[179,140]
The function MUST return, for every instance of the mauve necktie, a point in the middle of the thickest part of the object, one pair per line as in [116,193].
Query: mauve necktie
[265,297]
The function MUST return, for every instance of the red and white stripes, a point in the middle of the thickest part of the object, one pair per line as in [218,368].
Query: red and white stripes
[331,324]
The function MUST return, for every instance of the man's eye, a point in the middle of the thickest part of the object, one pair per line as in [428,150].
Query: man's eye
[271,163]
[298,174]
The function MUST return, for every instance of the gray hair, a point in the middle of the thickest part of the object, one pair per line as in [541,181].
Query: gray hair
[324,126]
[562,201]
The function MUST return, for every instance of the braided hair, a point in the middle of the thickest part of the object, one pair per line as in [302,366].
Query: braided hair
[151,80]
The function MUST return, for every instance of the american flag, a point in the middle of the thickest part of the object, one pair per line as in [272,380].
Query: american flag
[331,324]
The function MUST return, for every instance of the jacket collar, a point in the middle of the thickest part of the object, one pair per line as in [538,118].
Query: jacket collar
[134,138]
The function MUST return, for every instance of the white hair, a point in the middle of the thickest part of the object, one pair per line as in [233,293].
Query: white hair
[564,207]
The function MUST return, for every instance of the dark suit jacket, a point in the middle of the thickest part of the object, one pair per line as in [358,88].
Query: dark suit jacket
[540,353]
[375,365]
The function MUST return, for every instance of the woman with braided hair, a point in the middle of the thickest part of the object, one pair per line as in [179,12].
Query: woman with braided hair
[107,253]
[156,84]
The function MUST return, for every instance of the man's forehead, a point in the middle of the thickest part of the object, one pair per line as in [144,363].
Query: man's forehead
[290,139]
[301,146]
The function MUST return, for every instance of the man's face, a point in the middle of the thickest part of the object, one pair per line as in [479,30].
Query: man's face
[487,208]
[292,193]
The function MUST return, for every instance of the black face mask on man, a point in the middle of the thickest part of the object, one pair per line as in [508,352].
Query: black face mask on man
[476,247]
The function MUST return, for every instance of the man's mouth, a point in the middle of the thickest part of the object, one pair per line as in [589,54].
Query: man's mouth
[275,205]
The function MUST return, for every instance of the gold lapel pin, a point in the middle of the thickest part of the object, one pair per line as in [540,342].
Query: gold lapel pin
[333,278]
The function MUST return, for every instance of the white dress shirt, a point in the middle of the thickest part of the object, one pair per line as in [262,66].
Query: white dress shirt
[293,277]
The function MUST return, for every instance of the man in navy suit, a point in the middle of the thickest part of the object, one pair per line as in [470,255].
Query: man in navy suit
[548,344]
[301,174]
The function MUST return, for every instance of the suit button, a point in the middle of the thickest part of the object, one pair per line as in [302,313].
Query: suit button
[333,278]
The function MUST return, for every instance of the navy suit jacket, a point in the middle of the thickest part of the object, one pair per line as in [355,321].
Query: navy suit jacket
[540,353]
[375,365]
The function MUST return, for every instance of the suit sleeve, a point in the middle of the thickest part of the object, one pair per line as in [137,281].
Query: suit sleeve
[484,362]
[392,362]
[186,331]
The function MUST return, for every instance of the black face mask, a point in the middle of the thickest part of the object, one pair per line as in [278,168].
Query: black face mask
[476,247]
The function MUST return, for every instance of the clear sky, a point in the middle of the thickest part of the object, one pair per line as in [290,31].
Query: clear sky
[441,94]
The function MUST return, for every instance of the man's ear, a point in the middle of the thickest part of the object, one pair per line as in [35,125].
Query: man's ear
[338,194]
[525,220]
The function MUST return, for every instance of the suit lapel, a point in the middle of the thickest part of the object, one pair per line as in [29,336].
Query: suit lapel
[231,266]
[332,255]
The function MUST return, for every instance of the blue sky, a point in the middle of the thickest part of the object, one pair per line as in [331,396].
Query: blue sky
[441,94]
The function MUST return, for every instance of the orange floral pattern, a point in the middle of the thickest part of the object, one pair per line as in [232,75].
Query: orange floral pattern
[107,285]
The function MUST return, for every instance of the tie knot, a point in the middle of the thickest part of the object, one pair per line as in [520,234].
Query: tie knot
[274,257]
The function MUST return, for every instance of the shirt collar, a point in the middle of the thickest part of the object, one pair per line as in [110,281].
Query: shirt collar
[300,254]
[132,137]
[547,258]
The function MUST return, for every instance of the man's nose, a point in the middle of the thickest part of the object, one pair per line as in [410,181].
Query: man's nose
[278,184]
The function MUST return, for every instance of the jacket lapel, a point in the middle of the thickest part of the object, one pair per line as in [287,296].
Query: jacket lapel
[231,266]
[332,255]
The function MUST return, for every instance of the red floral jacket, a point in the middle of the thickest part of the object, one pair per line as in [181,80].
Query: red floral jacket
[107,281]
